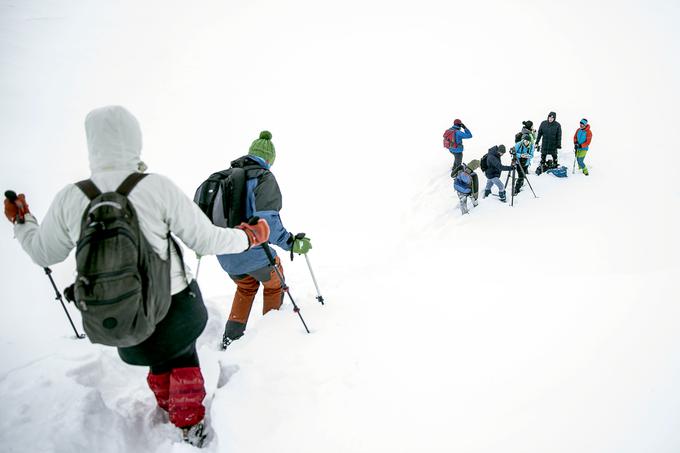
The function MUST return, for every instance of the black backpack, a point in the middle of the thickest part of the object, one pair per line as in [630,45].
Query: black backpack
[482,164]
[123,286]
[222,197]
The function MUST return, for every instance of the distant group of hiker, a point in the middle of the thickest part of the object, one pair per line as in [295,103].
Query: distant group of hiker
[133,289]
[526,142]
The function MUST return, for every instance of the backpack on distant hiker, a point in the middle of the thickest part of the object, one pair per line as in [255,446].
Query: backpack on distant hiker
[482,163]
[123,286]
[463,182]
[222,197]
[450,139]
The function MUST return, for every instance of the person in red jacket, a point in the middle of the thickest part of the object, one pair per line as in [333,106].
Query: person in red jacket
[582,139]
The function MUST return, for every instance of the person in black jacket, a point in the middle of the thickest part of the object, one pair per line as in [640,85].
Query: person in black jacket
[494,167]
[551,133]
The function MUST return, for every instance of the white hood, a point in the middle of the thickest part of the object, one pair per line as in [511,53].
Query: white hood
[114,139]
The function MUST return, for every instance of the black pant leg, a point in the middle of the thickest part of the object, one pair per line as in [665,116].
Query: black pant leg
[458,159]
[186,359]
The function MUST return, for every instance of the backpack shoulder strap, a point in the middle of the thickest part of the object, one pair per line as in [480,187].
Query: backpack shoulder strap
[178,249]
[129,183]
[90,190]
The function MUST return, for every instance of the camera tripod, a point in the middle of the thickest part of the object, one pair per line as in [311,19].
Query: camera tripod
[515,165]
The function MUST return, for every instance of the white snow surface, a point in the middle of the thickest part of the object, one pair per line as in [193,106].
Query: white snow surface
[550,326]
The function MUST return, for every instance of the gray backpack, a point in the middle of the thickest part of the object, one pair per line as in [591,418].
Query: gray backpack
[123,286]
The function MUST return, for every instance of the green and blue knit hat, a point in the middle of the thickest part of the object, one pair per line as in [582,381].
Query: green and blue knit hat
[263,147]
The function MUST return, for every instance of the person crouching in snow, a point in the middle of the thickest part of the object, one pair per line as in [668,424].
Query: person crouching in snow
[168,347]
[582,139]
[466,183]
[493,171]
[546,164]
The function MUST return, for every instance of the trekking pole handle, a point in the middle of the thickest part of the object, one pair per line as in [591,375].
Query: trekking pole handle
[12,197]
[292,243]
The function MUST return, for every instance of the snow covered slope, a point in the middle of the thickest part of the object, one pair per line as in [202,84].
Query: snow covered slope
[549,326]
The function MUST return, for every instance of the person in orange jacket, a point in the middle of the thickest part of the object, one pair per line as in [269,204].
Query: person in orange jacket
[582,139]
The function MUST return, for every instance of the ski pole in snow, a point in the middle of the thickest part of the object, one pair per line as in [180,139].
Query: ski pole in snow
[573,169]
[12,197]
[48,271]
[319,297]
[284,287]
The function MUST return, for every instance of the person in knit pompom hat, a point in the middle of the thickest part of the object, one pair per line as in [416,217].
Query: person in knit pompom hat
[252,267]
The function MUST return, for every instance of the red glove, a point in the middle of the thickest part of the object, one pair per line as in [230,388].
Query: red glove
[257,233]
[16,207]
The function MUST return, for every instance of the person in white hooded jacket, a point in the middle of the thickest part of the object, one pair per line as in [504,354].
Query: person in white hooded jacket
[114,141]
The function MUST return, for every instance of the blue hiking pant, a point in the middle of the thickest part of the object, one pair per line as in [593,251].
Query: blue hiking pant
[580,157]
[497,181]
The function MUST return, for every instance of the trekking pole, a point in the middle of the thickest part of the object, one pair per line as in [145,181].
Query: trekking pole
[284,287]
[198,267]
[512,189]
[48,271]
[573,169]
[12,197]
[319,297]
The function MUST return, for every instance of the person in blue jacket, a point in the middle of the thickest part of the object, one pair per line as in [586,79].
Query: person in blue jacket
[252,267]
[523,153]
[454,136]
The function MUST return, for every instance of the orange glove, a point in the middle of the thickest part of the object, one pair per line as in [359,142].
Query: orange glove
[15,207]
[257,231]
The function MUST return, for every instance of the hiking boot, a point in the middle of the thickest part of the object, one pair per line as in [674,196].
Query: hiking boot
[487,192]
[194,435]
[585,171]
[501,195]
[232,332]
[227,340]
